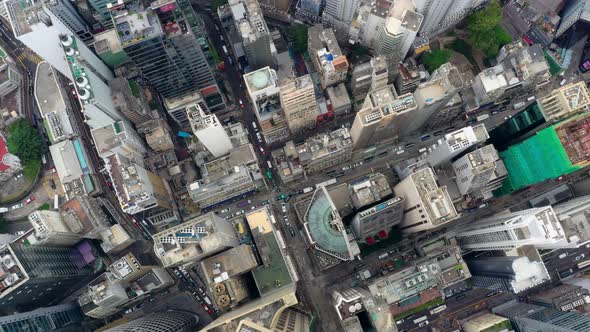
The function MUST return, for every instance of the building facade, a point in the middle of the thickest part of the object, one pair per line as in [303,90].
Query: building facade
[377,219]
[164,321]
[299,103]
[480,172]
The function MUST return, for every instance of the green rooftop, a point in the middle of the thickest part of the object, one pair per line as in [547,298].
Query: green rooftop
[275,274]
[538,158]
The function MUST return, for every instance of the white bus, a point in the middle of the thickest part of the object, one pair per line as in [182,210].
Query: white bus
[438,309]
[482,117]
[269,164]
[584,264]
[419,320]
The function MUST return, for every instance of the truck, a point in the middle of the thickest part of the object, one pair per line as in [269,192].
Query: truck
[419,320]
[308,189]
[482,117]
[224,49]
[519,105]
[384,255]
[438,309]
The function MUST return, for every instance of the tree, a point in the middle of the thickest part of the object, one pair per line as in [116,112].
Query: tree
[485,31]
[25,142]
[298,33]
[433,60]
[359,50]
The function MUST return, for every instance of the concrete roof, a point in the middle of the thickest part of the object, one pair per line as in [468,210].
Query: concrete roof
[49,95]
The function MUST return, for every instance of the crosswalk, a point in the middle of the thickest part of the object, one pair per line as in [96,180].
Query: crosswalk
[31,56]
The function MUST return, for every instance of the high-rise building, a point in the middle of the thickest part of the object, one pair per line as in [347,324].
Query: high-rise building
[574,11]
[157,133]
[507,273]
[176,107]
[396,35]
[574,216]
[409,75]
[378,219]
[167,32]
[136,188]
[559,148]
[444,84]
[41,274]
[527,317]
[36,26]
[369,190]
[487,322]
[565,101]
[92,88]
[101,12]
[209,131]
[264,91]
[317,153]
[79,218]
[118,137]
[361,80]
[75,175]
[339,99]
[194,240]
[382,116]
[256,39]
[130,100]
[311,7]
[325,230]
[480,172]
[341,10]
[326,56]
[10,76]
[55,318]
[108,47]
[565,297]
[538,227]
[454,143]
[426,204]
[440,15]
[163,321]
[299,103]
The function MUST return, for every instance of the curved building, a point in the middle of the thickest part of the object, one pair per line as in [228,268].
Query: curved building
[165,321]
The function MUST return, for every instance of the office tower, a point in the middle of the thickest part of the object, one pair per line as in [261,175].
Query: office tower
[440,15]
[527,317]
[130,100]
[565,297]
[39,275]
[126,281]
[341,10]
[574,11]
[109,49]
[338,100]
[92,89]
[574,218]
[9,163]
[36,26]
[162,40]
[559,148]
[538,227]
[380,75]
[382,117]
[10,77]
[326,56]
[378,219]
[118,137]
[256,39]
[115,239]
[487,322]
[454,143]
[209,131]
[368,190]
[193,240]
[444,84]
[361,80]
[56,318]
[101,12]
[299,103]
[311,6]
[426,204]
[263,89]
[325,230]
[394,39]
[480,172]
[136,188]
[315,154]
[507,273]
[163,321]
[565,101]
[176,107]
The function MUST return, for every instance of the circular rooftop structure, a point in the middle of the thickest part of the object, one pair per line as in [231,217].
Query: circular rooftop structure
[321,228]
[260,79]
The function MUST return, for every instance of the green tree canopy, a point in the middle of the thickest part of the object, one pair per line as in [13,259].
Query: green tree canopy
[485,32]
[25,142]
[298,33]
[433,60]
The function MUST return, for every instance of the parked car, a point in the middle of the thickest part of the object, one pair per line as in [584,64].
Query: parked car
[30,199]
